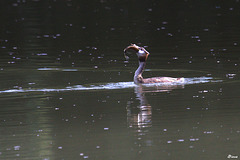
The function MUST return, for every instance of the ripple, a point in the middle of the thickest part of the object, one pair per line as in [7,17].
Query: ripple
[113,86]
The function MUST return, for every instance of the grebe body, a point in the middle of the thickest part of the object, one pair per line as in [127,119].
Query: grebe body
[143,54]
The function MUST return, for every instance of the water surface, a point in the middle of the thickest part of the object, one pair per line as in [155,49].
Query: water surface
[67,93]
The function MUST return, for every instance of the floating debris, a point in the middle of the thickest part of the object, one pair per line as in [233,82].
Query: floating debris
[180,140]
[42,54]
[230,75]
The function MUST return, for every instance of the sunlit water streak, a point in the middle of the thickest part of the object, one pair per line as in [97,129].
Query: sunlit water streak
[113,86]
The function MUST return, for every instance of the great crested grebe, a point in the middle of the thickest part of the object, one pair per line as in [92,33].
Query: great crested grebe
[142,58]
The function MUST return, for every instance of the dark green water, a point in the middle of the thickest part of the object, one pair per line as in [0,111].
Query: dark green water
[66,91]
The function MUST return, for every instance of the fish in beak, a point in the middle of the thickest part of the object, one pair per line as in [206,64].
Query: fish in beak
[139,50]
[131,47]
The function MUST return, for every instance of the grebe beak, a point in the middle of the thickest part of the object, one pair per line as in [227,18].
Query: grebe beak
[133,47]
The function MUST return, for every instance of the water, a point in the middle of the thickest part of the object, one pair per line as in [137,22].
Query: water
[67,93]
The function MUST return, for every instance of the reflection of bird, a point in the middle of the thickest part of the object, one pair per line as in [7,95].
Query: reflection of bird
[140,116]
[142,58]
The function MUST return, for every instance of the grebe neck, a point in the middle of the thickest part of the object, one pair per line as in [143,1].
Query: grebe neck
[138,73]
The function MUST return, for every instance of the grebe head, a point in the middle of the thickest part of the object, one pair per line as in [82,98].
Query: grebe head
[141,52]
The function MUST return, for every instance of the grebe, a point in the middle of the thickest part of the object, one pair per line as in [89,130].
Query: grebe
[142,58]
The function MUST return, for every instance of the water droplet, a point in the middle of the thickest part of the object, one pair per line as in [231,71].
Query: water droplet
[16,148]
